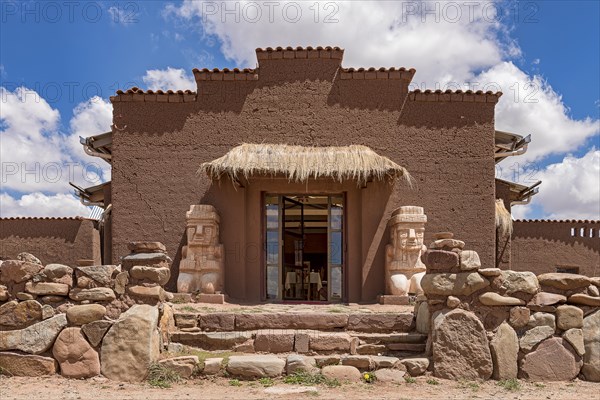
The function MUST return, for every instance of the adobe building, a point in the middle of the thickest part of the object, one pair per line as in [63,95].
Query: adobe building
[290,173]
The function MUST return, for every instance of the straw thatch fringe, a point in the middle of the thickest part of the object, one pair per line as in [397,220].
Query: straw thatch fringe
[504,223]
[301,163]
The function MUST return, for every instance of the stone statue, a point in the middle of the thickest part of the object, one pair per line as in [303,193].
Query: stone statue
[403,266]
[201,267]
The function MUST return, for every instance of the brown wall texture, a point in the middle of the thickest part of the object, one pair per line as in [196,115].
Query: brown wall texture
[445,140]
[543,246]
[52,240]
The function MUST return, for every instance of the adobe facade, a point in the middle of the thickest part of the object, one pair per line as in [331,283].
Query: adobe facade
[304,97]
[53,240]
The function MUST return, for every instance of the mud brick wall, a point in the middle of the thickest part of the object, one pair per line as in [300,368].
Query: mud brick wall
[52,240]
[549,246]
[445,140]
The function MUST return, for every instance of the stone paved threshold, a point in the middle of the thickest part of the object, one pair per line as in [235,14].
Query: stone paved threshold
[359,322]
[291,308]
[303,341]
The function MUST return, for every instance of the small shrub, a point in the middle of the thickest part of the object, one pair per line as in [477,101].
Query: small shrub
[266,382]
[410,379]
[162,377]
[433,381]
[369,377]
[235,382]
[308,379]
[539,385]
[511,384]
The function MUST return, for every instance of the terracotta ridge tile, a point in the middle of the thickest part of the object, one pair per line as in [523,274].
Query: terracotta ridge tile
[455,96]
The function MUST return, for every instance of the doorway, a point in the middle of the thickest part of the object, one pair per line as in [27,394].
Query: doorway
[304,247]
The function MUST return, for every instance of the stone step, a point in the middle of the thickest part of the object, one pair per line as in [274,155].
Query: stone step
[303,341]
[333,322]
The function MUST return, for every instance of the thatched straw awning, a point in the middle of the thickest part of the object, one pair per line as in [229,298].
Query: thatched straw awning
[504,223]
[299,163]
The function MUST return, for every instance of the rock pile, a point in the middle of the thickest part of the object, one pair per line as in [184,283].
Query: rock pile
[485,322]
[145,271]
[27,286]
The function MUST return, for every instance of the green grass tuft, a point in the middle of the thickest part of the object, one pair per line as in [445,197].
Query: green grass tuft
[432,381]
[511,384]
[308,379]
[162,377]
[266,382]
[410,379]
[235,382]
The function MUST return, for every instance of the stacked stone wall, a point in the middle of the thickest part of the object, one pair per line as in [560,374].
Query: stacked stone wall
[490,323]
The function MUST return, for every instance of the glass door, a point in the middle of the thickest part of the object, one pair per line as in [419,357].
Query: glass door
[293,249]
[304,247]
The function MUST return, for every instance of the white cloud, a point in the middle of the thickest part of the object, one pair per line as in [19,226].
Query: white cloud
[170,78]
[529,105]
[377,33]
[41,205]
[39,159]
[473,51]
[570,189]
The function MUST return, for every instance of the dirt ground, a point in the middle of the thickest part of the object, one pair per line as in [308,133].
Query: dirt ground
[57,388]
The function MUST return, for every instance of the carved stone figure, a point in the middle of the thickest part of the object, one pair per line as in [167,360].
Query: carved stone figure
[201,267]
[403,266]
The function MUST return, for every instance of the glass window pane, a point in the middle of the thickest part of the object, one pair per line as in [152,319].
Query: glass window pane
[272,216]
[272,282]
[337,217]
[336,283]
[335,248]
[272,247]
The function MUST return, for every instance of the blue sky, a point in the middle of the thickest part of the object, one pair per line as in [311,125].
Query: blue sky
[69,55]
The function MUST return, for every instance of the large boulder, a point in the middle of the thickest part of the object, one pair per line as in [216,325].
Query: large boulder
[76,357]
[85,313]
[158,275]
[28,257]
[297,362]
[271,342]
[518,282]
[416,366]
[34,339]
[533,336]
[423,320]
[58,273]
[591,341]
[47,288]
[18,315]
[102,275]
[553,360]
[333,343]
[342,373]
[568,317]
[184,366]
[394,322]
[131,345]
[459,284]
[505,350]
[17,271]
[255,366]
[27,365]
[440,260]
[94,294]
[95,331]
[460,346]
[495,299]
[564,281]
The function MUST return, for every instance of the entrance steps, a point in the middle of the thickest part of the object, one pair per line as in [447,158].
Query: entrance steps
[312,333]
